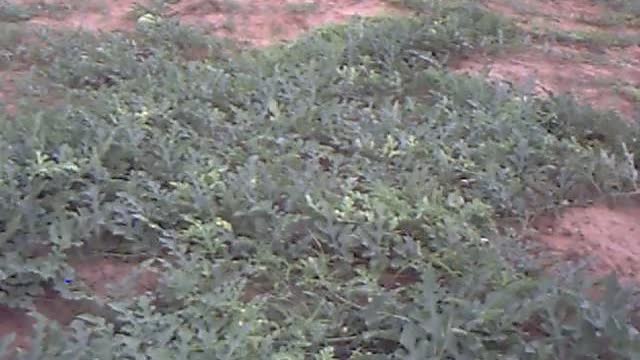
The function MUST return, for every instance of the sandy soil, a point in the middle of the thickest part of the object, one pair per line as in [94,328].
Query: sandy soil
[605,235]
[94,15]
[564,15]
[258,22]
[599,75]
[7,91]
[261,22]
[597,78]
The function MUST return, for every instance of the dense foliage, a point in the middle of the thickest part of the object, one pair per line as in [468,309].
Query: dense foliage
[275,188]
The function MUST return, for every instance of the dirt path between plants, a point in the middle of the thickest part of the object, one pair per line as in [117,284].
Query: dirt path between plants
[606,236]
[261,22]
[585,49]
[579,47]
[607,79]
[257,22]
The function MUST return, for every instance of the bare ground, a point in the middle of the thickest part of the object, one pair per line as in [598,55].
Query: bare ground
[597,73]
[258,22]
[565,15]
[601,78]
[605,235]
[262,22]
[8,91]
[108,279]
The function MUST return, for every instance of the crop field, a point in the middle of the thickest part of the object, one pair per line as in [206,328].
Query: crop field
[319,179]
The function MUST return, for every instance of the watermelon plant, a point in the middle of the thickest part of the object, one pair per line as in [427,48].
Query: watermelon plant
[339,197]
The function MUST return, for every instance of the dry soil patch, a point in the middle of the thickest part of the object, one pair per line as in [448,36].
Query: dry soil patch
[262,22]
[107,278]
[92,15]
[8,91]
[257,22]
[606,235]
[606,78]
[560,69]
[558,15]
